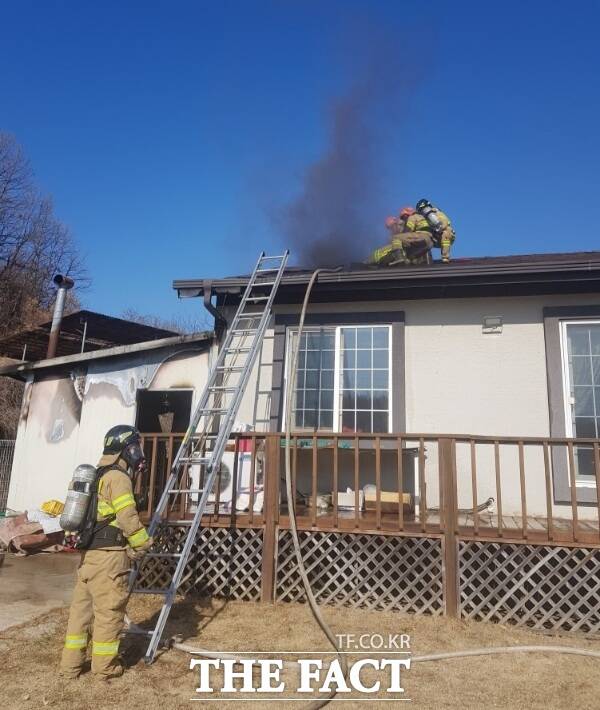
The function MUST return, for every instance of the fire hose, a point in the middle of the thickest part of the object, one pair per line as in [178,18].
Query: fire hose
[312,602]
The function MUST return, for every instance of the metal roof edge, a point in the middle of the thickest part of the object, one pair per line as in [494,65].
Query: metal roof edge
[24,367]
[454,270]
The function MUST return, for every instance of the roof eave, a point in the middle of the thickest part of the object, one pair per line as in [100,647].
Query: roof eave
[21,369]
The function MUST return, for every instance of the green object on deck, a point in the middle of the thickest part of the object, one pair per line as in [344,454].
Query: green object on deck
[321,443]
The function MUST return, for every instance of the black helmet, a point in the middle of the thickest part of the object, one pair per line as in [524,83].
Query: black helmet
[125,440]
[421,204]
[118,437]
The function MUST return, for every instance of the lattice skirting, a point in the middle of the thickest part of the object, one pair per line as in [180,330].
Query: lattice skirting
[551,588]
[223,562]
[370,571]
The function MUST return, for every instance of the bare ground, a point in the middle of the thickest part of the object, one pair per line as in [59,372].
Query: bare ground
[29,656]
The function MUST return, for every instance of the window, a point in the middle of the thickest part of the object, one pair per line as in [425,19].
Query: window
[343,381]
[581,373]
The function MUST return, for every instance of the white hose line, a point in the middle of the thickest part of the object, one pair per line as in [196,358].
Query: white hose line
[467,653]
[291,499]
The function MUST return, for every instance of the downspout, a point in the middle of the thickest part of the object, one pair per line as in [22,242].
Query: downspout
[220,320]
[64,283]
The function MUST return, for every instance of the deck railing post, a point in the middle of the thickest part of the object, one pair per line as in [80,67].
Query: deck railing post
[271,516]
[447,461]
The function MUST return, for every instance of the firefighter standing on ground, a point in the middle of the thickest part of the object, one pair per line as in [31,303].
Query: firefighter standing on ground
[101,591]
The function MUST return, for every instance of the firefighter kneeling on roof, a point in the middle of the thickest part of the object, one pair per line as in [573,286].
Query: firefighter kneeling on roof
[110,534]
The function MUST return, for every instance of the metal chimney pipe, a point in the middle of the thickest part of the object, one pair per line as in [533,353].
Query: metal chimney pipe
[64,283]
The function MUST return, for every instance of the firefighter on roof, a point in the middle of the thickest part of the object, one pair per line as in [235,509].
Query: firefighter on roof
[110,534]
[432,219]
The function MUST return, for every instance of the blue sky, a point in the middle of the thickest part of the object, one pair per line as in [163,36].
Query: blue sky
[167,133]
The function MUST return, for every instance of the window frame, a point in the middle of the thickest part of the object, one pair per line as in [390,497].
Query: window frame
[553,317]
[354,314]
[337,408]
[580,481]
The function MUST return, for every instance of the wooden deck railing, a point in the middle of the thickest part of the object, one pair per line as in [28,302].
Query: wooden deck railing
[418,484]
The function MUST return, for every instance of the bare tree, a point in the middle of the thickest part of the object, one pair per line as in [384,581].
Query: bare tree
[177,323]
[34,245]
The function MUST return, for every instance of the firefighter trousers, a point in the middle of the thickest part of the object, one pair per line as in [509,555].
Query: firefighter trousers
[98,606]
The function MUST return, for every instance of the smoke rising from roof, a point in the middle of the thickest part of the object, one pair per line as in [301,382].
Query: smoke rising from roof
[337,216]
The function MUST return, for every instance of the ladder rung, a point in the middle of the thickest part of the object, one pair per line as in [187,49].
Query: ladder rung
[186,490]
[139,590]
[258,284]
[258,298]
[270,258]
[214,410]
[236,368]
[162,554]
[223,388]
[238,350]
[243,331]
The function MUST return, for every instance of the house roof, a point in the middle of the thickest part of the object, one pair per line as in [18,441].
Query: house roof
[100,332]
[524,274]
[18,370]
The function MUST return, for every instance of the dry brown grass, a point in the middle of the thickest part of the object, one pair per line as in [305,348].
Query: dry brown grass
[29,656]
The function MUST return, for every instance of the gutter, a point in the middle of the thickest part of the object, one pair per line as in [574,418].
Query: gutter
[455,273]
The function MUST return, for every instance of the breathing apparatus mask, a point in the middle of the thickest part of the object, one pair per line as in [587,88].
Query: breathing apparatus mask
[133,454]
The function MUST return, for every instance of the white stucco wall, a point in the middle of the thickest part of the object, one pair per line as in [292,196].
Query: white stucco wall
[57,431]
[458,380]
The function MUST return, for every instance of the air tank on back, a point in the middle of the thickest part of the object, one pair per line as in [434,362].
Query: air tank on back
[78,497]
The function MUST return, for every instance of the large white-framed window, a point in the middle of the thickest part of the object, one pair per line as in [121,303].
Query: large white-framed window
[580,352]
[344,378]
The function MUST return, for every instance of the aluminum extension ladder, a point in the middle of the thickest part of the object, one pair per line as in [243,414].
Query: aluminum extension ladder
[210,428]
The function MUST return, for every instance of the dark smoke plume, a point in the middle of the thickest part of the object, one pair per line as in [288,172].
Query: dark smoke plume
[337,217]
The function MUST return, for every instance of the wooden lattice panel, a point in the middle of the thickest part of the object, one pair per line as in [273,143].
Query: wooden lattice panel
[544,587]
[369,571]
[223,562]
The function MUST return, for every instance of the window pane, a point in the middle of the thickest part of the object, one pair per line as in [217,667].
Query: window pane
[584,401]
[301,359]
[579,339]
[380,358]
[380,379]
[595,338]
[349,338]
[380,399]
[585,427]
[349,399]
[363,337]
[312,379]
[311,399]
[313,340]
[327,378]
[328,359]
[363,399]
[313,359]
[363,421]
[363,379]
[326,419]
[300,399]
[364,358]
[326,399]
[328,339]
[596,370]
[582,371]
[348,421]
[380,422]
[349,379]
[349,359]
[584,461]
[380,337]
[310,419]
